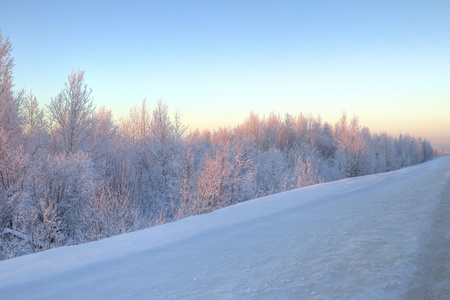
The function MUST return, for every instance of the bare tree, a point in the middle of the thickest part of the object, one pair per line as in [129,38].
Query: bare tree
[71,116]
[10,103]
[135,128]
[212,182]
[13,160]
[33,116]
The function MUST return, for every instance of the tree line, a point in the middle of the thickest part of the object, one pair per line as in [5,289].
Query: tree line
[70,173]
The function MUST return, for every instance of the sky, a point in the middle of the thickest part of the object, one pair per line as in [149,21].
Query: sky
[387,62]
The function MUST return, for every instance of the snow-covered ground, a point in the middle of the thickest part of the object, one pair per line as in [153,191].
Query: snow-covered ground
[383,236]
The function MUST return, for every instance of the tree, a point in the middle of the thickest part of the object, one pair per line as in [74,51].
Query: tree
[10,103]
[6,67]
[67,181]
[251,127]
[271,172]
[242,182]
[33,117]
[306,173]
[157,144]
[35,137]
[212,182]
[187,172]
[351,147]
[13,160]
[270,132]
[105,139]
[108,213]
[135,127]
[163,148]
[13,171]
[71,116]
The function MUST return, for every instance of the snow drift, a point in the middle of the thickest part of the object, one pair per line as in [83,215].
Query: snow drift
[377,236]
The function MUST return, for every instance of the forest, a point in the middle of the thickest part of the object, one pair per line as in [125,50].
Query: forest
[71,173]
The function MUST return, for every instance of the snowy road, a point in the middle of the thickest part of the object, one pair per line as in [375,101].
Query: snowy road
[384,236]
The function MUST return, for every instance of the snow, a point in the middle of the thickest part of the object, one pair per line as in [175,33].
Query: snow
[381,236]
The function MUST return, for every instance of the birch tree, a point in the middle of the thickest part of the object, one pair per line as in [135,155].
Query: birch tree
[71,116]
[13,161]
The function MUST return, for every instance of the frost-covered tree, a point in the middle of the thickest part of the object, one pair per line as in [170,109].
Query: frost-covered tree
[136,126]
[13,159]
[157,144]
[242,183]
[163,145]
[33,117]
[35,137]
[105,141]
[352,147]
[67,184]
[71,116]
[213,180]
[10,102]
[13,172]
[428,151]
[271,171]
[251,127]
[187,172]
[270,132]
[108,213]
[307,172]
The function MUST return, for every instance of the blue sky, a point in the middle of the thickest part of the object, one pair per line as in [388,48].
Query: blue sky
[215,61]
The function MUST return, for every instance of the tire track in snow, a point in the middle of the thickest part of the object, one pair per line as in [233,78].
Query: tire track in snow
[432,279]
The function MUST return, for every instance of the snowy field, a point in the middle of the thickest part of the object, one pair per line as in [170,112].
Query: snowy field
[384,236]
